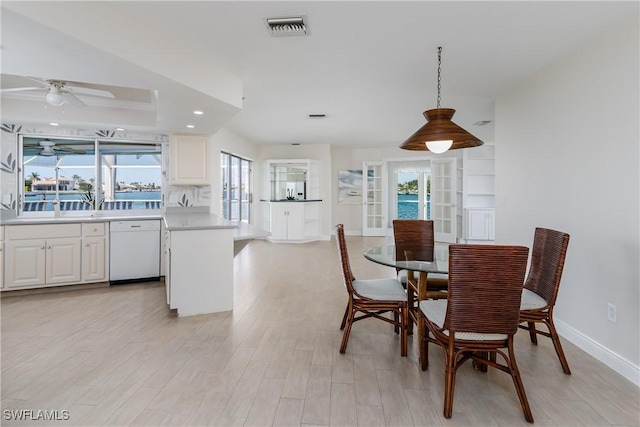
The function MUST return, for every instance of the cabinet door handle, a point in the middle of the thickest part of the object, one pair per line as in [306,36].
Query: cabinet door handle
[41,247]
[86,245]
[48,247]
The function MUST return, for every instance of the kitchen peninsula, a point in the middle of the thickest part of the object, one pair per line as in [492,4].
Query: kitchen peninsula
[200,248]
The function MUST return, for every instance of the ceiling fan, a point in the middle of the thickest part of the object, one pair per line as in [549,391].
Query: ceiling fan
[61,92]
[47,147]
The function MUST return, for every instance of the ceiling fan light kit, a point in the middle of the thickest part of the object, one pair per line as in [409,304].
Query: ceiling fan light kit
[54,97]
[440,133]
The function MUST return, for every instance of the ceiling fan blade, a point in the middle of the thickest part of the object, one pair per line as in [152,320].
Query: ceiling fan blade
[69,149]
[35,79]
[90,91]
[70,98]
[20,89]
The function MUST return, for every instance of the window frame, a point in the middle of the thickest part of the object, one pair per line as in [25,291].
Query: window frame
[97,168]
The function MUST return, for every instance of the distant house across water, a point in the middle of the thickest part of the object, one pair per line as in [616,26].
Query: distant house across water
[49,184]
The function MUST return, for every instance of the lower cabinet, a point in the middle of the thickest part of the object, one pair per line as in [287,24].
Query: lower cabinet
[42,262]
[480,224]
[95,250]
[294,221]
[55,254]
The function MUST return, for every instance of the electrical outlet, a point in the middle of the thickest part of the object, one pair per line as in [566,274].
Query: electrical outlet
[612,313]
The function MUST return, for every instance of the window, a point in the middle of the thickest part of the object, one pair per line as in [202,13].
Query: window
[64,172]
[236,187]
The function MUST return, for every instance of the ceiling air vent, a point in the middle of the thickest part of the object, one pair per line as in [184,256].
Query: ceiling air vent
[290,26]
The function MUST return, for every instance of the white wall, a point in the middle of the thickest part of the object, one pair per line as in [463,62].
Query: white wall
[568,158]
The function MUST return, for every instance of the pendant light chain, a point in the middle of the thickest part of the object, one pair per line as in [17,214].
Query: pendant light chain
[439,79]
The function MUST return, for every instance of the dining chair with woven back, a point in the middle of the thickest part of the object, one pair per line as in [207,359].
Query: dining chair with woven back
[371,298]
[480,317]
[541,287]
[414,240]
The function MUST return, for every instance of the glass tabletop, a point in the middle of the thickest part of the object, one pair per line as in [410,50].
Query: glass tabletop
[386,255]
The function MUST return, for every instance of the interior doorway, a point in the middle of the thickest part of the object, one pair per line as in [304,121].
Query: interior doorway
[409,189]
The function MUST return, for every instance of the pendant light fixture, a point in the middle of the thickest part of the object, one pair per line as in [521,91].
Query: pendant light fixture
[440,133]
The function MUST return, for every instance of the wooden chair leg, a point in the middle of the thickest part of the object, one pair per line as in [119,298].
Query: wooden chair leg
[347,331]
[449,383]
[556,343]
[396,318]
[532,332]
[404,337]
[344,318]
[517,381]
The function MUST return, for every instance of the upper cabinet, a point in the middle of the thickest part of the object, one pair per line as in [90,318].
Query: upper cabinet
[189,160]
[292,179]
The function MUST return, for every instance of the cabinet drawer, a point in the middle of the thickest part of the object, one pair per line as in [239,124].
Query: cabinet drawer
[97,229]
[42,231]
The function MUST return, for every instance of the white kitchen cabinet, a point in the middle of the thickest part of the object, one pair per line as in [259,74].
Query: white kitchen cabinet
[189,160]
[42,262]
[95,252]
[42,255]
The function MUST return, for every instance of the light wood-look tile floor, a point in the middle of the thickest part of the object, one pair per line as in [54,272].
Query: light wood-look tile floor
[118,356]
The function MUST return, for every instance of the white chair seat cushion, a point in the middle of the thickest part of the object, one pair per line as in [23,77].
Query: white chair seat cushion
[531,300]
[402,276]
[380,289]
[436,310]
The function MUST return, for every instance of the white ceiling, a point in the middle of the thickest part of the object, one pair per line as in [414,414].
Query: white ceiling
[370,66]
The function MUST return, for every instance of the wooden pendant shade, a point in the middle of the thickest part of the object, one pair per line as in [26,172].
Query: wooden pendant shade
[439,127]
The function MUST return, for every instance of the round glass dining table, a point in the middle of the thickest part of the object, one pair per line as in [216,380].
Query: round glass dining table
[416,289]
[386,255]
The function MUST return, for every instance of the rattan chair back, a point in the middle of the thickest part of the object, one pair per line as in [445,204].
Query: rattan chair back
[485,288]
[344,258]
[415,236]
[547,262]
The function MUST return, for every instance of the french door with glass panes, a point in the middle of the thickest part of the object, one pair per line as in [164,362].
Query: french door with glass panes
[373,195]
[236,187]
[443,199]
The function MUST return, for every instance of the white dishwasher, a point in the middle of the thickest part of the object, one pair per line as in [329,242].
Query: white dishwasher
[134,250]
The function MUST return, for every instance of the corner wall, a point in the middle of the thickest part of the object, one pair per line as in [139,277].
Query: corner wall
[568,158]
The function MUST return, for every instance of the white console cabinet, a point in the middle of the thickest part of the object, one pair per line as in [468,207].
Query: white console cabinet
[189,160]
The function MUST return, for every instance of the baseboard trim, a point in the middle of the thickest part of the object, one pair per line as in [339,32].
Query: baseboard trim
[613,360]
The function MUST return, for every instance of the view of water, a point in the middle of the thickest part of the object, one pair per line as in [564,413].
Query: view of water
[408,206]
[139,197]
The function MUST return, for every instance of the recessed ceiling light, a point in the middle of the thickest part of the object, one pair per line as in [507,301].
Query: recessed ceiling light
[317,116]
[120,129]
[190,126]
[54,124]
[198,113]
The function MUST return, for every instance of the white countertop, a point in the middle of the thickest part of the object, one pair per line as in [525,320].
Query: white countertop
[195,221]
[176,220]
[71,217]
[208,221]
